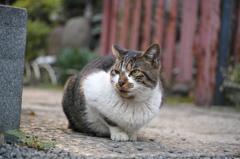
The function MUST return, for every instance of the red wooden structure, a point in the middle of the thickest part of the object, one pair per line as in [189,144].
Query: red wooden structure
[207,57]
[237,38]
[187,31]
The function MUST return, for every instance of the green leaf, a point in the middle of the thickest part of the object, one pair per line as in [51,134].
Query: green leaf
[22,135]
[28,141]
[17,133]
[32,141]
[14,132]
[50,144]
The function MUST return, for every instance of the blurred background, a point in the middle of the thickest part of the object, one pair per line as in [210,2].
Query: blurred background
[200,41]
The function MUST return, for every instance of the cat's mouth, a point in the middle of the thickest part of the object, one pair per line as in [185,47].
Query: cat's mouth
[124,94]
[123,91]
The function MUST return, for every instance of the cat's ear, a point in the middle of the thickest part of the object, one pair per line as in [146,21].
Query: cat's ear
[152,55]
[117,51]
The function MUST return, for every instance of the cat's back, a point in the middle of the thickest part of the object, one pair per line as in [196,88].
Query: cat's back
[102,63]
[73,98]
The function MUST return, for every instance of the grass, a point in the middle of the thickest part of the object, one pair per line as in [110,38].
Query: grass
[175,100]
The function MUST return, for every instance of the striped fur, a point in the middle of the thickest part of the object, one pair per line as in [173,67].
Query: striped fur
[115,95]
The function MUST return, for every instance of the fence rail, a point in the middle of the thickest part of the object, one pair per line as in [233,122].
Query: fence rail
[187,30]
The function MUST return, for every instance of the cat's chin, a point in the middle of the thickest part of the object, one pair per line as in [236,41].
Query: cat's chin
[124,94]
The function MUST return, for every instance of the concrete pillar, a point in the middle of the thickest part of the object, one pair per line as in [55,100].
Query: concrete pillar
[13,26]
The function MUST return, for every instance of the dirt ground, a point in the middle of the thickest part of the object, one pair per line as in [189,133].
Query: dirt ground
[177,131]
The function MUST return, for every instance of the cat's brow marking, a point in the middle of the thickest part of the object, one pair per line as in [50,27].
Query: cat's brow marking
[123,66]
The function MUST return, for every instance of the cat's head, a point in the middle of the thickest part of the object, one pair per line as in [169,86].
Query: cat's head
[135,71]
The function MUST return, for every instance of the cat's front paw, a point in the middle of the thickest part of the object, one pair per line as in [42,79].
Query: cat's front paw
[119,136]
[133,138]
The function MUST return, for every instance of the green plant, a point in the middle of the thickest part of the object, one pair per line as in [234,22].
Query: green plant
[236,74]
[37,34]
[32,141]
[72,59]
[39,24]
[232,85]
[175,100]
[233,74]
[39,9]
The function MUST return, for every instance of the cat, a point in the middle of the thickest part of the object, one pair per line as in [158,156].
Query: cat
[115,95]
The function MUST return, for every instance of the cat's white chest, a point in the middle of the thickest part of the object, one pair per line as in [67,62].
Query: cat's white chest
[101,96]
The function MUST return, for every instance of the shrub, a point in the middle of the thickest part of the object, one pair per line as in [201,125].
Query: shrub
[236,74]
[72,59]
[39,9]
[38,24]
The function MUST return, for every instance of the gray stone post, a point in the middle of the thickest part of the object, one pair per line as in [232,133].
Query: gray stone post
[13,26]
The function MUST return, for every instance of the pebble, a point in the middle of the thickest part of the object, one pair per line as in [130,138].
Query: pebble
[53,139]
[9,142]
[110,149]
[183,139]
[170,151]
[19,141]
[180,152]
[118,151]
[114,145]
[2,151]
[151,139]
[65,131]
[225,150]
[13,154]
[139,149]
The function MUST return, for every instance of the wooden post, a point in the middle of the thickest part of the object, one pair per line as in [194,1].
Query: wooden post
[104,48]
[207,59]
[223,51]
[147,25]
[159,26]
[188,28]
[136,25]
[113,24]
[170,40]
[125,25]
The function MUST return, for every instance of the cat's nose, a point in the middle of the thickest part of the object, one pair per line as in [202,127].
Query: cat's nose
[121,83]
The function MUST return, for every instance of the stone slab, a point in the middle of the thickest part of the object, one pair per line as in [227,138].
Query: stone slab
[13,17]
[10,114]
[12,42]
[11,77]
[13,25]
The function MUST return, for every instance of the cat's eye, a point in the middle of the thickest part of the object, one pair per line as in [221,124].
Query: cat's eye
[117,72]
[134,72]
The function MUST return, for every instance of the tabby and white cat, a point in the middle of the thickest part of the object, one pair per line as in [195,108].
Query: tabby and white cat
[115,95]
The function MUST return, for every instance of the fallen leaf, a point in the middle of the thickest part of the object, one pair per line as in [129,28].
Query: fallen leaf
[32,113]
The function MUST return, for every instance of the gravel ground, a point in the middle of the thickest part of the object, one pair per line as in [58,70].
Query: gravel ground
[177,132]
[13,150]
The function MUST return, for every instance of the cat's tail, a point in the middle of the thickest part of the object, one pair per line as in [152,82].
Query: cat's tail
[68,97]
